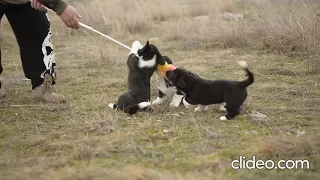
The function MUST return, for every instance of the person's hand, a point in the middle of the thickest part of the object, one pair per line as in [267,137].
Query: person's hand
[70,17]
[36,5]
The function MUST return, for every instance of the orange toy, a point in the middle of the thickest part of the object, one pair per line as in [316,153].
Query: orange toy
[162,69]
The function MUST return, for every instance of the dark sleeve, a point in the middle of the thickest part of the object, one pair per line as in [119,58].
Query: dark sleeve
[57,6]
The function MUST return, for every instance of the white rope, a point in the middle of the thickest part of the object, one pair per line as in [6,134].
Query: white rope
[110,38]
[91,29]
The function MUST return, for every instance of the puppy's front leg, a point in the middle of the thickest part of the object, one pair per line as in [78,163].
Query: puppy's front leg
[201,108]
[232,112]
[176,100]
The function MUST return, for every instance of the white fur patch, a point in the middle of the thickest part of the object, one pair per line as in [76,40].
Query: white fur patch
[223,118]
[222,107]
[136,45]
[201,108]
[168,91]
[144,105]
[147,63]
[111,106]
[176,100]
[159,100]
[161,84]
[243,64]
[186,104]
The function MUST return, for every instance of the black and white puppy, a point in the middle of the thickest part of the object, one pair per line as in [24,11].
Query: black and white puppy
[204,92]
[142,62]
[167,89]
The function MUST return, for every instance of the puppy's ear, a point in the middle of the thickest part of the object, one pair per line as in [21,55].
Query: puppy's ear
[148,47]
[161,61]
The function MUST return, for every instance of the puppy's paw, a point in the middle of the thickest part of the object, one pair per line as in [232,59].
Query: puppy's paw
[158,101]
[136,45]
[223,118]
[200,108]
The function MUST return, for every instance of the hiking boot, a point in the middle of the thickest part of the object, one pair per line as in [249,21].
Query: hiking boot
[46,92]
[2,93]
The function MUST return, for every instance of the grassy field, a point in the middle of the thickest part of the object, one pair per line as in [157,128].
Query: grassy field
[84,139]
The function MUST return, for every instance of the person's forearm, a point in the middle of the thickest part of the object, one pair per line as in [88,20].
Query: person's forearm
[56,5]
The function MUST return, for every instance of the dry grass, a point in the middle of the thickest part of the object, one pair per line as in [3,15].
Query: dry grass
[83,139]
[285,27]
[291,29]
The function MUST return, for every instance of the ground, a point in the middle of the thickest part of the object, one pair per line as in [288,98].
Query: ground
[84,139]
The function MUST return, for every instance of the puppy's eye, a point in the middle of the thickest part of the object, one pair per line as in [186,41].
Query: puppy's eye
[140,52]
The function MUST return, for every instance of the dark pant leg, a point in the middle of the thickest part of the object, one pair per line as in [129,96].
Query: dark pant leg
[2,11]
[33,33]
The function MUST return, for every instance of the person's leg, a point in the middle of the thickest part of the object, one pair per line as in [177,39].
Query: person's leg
[2,11]
[33,32]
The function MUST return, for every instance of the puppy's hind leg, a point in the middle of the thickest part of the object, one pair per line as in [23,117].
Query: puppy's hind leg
[233,103]
[186,104]
[201,108]
[232,112]
[132,109]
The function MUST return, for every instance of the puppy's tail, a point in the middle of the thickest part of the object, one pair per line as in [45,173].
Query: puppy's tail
[113,106]
[135,108]
[250,79]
